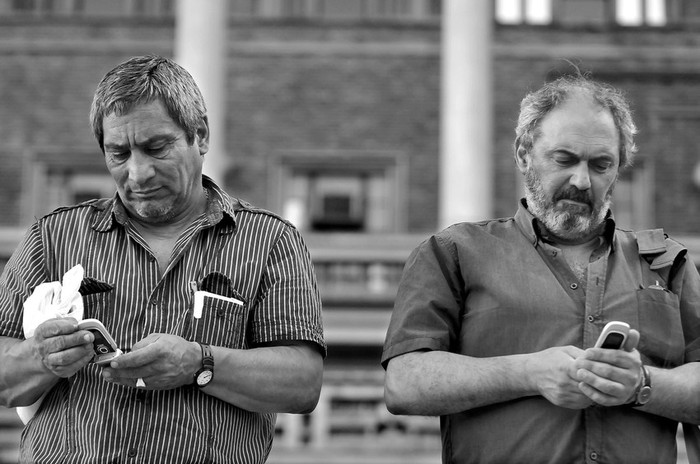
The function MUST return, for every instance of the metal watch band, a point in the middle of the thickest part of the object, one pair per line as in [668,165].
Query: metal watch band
[643,393]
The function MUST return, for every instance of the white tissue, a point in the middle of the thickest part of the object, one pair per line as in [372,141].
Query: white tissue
[48,301]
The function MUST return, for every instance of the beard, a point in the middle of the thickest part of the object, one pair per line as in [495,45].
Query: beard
[154,212]
[568,223]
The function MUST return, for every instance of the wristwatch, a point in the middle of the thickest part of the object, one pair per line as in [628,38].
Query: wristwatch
[206,373]
[643,393]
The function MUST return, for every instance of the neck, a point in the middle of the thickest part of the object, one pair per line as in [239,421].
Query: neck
[591,243]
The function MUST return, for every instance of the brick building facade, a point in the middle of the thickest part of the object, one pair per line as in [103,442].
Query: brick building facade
[336,103]
[346,88]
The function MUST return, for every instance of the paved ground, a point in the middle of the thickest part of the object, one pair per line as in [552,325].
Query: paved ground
[371,449]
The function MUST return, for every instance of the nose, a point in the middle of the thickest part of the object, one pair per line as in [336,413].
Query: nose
[581,178]
[140,167]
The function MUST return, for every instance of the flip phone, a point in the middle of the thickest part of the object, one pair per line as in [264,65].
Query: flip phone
[105,346]
[613,335]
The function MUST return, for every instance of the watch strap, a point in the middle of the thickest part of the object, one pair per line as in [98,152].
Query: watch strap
[207,363]
[207,356]
[643,392]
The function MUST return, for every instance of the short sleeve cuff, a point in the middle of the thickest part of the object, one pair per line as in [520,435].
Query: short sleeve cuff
[408,346]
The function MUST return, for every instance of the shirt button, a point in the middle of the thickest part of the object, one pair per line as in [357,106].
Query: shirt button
[594,456]
[590,318]
[574,286]
[132,452]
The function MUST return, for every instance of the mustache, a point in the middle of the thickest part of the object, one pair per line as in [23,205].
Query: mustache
[573,194]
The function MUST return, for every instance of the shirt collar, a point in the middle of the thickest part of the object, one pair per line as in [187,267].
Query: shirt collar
[531,227]
[221,208]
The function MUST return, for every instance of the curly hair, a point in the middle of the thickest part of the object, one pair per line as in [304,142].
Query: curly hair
[536,105]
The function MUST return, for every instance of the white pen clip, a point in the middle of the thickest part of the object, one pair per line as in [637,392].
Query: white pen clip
[199,301]
[198,304]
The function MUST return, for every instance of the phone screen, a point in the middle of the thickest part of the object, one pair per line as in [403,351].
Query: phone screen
[613,341]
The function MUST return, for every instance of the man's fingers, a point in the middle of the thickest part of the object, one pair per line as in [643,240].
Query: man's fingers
[66,363]
[56,327]
[632,340]
[61,343]
[137,357]
[68,356]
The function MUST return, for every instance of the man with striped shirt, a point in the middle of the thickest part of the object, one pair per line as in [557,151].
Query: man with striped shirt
[214,302]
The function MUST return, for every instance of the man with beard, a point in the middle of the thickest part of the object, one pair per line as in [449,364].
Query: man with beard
[495,322]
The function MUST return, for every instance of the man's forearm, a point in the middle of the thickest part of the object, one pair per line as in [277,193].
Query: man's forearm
[675,393]
[437,382]
[23,377]
[270,379]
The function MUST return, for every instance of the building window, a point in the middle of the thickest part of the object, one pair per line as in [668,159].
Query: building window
[340,191]
[583,12]
[632,197]
[640,12]
[338,202]
[535,12]
[61,179]
[87,186]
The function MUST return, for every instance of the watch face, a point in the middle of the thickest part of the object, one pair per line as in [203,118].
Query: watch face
[644,395]
[204,378]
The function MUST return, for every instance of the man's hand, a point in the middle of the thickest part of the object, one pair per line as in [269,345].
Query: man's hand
[62,348]
[162,361]
[554,372]
[610,377]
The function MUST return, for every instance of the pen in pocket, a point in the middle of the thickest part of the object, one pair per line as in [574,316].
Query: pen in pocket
[199,301]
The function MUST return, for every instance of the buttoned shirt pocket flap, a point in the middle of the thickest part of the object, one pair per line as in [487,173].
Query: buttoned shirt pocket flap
[97,299]
[660,327]
[220,321]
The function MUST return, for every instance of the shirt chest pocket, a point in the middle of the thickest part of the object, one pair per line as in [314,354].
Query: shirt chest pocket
[660,327]
[219,321]
[98,300]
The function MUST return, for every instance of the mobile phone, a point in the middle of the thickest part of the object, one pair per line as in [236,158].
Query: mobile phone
[105,346]
[613,335]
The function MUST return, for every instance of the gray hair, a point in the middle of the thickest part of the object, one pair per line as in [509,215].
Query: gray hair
[536,105]
[144,79]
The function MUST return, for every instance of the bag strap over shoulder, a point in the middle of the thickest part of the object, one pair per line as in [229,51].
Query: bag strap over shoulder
[663,254]
[691,434]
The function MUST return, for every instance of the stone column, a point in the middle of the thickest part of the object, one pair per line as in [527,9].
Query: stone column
[201,48]
[466,166]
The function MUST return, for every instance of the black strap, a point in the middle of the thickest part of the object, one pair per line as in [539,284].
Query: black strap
[691,433]
[665,256]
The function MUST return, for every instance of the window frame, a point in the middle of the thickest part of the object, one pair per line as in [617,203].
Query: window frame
[390,165]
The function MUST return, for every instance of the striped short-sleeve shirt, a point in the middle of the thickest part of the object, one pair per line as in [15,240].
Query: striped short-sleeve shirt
[232,250]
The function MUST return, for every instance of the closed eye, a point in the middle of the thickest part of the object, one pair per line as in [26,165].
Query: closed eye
[565,159]
[117,156]
[602,165]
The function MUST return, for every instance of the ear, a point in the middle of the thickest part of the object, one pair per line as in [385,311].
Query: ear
[522,158]
[202,136]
